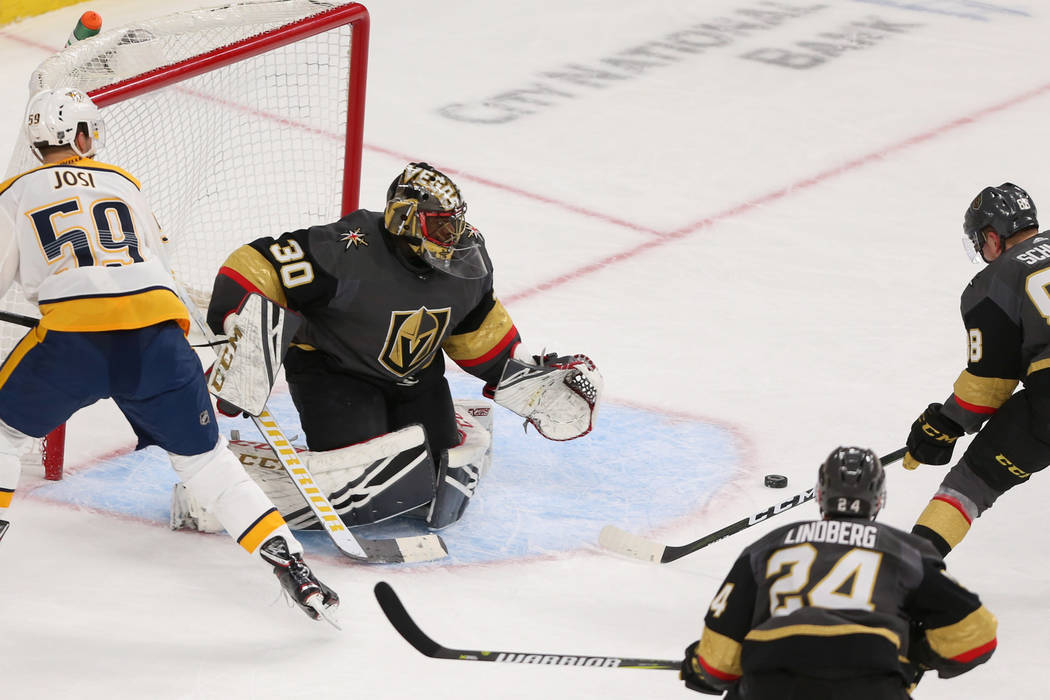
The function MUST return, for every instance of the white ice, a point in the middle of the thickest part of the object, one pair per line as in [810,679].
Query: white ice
[770,250]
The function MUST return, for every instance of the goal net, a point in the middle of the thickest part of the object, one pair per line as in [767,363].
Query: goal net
[240,121]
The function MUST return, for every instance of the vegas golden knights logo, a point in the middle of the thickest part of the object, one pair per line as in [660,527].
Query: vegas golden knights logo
[413,339]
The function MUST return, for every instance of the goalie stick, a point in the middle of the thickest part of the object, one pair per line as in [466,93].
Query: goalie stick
[397,614]
[622,542]
[378,551]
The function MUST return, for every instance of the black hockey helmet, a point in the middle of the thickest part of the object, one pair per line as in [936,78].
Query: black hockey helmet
[1006,209]
[851,484]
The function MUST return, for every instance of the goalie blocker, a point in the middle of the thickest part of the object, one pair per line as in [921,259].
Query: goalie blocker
[381,478]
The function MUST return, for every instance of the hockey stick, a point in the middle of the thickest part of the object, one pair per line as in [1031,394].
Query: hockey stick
[381,551]
[378,551]
[407,628]
[19,319]
[622,542]
[30,322]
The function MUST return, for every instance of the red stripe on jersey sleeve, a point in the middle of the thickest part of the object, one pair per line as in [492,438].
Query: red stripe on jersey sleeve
[975,408]
[968,656]
[499,347]
[720,675]
[240,279]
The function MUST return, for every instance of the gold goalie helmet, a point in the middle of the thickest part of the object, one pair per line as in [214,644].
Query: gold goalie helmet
[425,207]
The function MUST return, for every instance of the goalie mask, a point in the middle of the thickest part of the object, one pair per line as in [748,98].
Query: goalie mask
[53,117]
[426,208]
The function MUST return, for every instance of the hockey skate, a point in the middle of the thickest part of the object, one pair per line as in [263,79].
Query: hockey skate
[299,583]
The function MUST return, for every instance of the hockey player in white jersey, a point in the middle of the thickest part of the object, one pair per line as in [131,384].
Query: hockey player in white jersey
[83,242]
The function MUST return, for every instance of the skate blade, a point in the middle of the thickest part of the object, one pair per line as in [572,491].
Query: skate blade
[326,614]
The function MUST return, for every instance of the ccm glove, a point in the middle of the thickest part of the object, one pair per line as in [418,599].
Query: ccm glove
[932,438]
[690,673]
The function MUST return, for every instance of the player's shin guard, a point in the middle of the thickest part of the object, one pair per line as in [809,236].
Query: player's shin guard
[961,499]
[12,444]
[944,522]
[218,482]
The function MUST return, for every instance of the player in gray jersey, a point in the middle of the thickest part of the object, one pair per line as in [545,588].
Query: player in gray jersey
[384,296]
[1006,311]
[842,607]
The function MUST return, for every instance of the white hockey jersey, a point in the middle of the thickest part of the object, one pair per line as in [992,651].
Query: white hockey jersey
[84,243]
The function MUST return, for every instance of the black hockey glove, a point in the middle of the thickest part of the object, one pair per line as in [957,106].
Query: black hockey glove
[691,674]
[932,438]
[915,666]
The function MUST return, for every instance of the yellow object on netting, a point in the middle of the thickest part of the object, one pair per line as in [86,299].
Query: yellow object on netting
[10,10]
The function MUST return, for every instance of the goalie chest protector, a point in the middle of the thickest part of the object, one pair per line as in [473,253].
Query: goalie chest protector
[342,270]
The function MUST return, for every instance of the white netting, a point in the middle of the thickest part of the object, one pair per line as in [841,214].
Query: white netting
[247,149]
[251,147]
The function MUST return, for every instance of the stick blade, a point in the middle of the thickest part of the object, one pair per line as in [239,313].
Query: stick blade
[404,549]
[630,545]
[395,612]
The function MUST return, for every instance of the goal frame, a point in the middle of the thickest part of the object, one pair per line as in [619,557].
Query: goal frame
[355,14]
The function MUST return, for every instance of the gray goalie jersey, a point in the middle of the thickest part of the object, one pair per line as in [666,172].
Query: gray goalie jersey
[373,308]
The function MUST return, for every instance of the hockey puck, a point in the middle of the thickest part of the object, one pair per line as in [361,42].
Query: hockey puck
[776,481]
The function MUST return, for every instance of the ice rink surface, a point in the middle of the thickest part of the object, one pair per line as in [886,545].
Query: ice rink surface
[748,214]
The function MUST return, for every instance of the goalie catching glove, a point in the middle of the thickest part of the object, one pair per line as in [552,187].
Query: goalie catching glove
[558,395]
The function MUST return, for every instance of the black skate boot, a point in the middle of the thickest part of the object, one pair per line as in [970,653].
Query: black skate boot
[299,583]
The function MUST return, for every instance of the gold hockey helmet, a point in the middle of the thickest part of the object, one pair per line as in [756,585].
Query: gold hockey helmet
[425,207]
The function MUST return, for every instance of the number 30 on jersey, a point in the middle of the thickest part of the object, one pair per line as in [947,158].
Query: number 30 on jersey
[294,270]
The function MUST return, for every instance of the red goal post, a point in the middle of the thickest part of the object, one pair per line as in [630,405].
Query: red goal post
[239,121]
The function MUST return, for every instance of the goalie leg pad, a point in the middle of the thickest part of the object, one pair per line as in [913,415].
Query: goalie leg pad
[220,486]
[463,465]
[367,482]
[474,421]
[455,487]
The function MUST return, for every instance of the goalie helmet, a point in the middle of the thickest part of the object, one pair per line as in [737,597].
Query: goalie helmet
[1006,209]
[53,117]
[851,484]
[425,207]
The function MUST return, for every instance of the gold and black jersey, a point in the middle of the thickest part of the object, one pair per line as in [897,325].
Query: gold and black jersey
[368,305]
[1006,311]
[835,598]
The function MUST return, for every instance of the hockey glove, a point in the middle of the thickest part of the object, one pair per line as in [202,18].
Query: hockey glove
[222,406]
[691,675]
[932,438]
[558,395]
[914,666]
